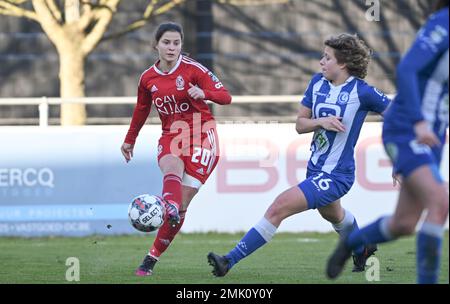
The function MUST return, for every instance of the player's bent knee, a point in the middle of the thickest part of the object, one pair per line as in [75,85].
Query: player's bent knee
[332,213]
[273,213]
[170,164]
[403,228]
[172,168]
[276,212]
[443,204]
[332,218]
[437,204]
[188,195]
[439,209]
[284,206]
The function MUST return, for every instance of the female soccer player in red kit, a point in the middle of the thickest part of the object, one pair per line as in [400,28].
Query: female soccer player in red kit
[188,149]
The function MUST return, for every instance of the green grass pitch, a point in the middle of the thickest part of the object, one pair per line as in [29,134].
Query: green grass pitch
[290,258]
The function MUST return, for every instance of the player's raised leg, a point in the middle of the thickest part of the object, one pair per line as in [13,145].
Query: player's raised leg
[167,232]
[165,235]
[172,168]
[384,229]
[290,202]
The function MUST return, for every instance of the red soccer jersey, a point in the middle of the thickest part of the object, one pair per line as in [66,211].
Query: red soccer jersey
[168,93]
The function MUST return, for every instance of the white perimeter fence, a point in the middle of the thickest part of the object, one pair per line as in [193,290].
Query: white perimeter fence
[44,102]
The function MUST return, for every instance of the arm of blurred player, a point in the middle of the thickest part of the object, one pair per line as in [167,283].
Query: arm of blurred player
[396,179]
[430,41]
[424,134]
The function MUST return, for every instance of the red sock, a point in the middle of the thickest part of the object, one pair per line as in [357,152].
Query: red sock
[172,189]
[165,236]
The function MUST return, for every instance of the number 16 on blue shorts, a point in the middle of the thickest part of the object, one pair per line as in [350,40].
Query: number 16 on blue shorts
[321,188]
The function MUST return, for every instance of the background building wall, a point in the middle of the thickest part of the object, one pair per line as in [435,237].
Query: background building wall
[256,49]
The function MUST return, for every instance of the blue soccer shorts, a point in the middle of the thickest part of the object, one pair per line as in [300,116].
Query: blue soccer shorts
[407,154]
[321,188]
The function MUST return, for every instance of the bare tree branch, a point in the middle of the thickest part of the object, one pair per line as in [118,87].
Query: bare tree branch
[10,8]
[17,2]
[104,16]
[48,22]
[71,11]
[168,6]
[253,2]
[148,13]
[149,9]
[86,17]
[54,10]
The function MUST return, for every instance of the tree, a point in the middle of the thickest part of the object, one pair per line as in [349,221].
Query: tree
[76,27]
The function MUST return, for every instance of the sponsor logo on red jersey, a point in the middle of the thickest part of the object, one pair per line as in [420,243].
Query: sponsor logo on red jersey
[179,83]
[168,105]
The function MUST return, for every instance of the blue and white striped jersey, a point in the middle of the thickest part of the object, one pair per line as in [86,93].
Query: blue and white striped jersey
[422,79]
[332,152]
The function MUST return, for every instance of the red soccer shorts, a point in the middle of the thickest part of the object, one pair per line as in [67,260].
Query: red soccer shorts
[200,155]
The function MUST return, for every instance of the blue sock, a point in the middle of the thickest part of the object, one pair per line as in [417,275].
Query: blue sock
[375,233]
[349,223]
[358,250]
[255,238]
[429,247]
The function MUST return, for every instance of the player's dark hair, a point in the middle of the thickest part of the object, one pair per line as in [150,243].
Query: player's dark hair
[168,27]
[351,51]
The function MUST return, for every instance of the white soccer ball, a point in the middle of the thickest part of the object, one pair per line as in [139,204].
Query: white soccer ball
[146,212]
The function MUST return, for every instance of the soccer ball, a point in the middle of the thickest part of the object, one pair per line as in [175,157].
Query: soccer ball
[146,212]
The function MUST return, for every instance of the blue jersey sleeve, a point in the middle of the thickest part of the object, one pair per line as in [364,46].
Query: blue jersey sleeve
[373,99]
[308,97]
[430,43]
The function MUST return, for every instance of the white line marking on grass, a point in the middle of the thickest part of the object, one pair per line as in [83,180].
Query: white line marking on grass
[307,240]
